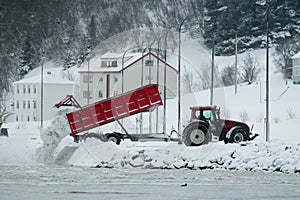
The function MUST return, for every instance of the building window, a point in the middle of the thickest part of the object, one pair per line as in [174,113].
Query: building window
[18,89]
[148,62]
[28,118]
[103,64]
[148,78]
[87,78]
[116,79]
[28,89]
[101,79]
[87,94]
[17,118]
[24,89]
[34,89]
[297,71]
[24,104]
[18,104]
[34,104]
[100,94]
[114,63]
[28,104]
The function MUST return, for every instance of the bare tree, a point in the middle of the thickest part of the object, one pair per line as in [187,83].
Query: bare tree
[251,68]
[284,50]
[228,75]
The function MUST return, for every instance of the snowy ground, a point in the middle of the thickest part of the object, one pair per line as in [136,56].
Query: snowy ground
[64,182]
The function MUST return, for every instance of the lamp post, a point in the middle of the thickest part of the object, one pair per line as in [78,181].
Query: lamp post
[262,3]
[165,85]
[212,70]
[122,74]
[88,80]
[179,69]
[267,79]
[221,9]
[42,93]
[164,79]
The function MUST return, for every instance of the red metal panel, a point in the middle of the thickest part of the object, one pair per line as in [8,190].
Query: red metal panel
[114,108]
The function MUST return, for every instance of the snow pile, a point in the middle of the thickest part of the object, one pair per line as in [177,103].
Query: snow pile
[153,155]
[269,157]
[52,136]
[20,145]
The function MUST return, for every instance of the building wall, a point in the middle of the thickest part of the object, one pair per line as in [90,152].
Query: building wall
[150,74]
[27,105]
[26,102]
[296,70]
[134,77]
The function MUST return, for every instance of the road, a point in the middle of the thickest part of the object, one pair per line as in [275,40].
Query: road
[66,182]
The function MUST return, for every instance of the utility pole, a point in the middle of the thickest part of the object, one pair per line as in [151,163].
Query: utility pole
[212,71]
[42,94]
[235,64]
[267,79]
[179,82]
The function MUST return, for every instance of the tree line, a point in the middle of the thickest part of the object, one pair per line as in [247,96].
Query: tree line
[65,31]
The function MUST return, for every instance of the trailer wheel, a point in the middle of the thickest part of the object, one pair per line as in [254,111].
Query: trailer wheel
[195,134]
[237,136]
[114,138]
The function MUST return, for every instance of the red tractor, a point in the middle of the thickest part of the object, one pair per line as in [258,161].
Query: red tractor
[206,122]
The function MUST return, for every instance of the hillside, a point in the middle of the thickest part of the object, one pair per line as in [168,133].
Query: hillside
[67,31]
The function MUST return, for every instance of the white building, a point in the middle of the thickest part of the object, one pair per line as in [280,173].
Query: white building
[296,68]
[102,76]
[27,96]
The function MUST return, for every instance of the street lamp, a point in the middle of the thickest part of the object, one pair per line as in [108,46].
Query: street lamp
[262,3]
[88,86]
[179,69]
[164,78]
[123,56]
[216,11]
[42,93]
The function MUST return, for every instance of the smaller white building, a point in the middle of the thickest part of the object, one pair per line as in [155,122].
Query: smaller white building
[28,99]
[296,68]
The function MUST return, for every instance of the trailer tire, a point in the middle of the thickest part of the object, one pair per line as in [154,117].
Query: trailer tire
[195,134]
[238,135]
[116,138]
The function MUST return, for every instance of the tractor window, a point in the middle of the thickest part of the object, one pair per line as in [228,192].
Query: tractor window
[197,114]
[208,114]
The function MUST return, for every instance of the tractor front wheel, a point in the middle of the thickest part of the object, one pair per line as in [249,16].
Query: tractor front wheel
[237,136]
[195,134]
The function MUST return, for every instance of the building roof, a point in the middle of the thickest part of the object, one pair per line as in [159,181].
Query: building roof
[296,56]
[47,79]
[94,64]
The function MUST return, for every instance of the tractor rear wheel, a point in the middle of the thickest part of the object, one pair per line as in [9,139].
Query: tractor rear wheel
[195,134]
[237,136]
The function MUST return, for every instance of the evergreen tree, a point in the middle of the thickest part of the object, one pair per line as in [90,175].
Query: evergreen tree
[26,57]
[92,33]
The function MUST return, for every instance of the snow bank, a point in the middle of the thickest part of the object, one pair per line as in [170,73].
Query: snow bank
[268,157]
[19,147]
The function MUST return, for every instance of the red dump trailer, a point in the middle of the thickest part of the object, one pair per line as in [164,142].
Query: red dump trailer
[111,109]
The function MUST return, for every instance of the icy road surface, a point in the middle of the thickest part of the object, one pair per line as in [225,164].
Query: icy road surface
[63,182]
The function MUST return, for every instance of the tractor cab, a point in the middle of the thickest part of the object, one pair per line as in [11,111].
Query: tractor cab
[208,114]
